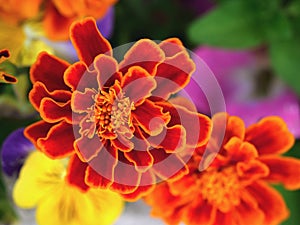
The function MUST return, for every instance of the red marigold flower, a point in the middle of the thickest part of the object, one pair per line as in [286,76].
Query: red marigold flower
[235,187]
[114,119]
[5,77]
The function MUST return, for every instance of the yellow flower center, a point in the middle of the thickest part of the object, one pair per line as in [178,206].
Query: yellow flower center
[221,188]
[113,112]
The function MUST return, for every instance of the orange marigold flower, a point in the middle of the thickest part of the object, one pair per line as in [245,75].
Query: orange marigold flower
[235,187]
[4,77]
[114,119]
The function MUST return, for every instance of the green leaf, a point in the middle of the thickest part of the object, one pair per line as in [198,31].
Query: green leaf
[285,57]
[234,24]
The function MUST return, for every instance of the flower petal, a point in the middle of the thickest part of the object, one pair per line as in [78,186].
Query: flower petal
[83,101]
[142,159]
[248,215]
[171,46]
[52,111]
[59,141]
[270,202]
[285,170]
[49,70]
[144,53]
[173,75]
[88,148]
[137,84]
[74,73]
[88,41]
[199,213]
[270,136]
[76,172]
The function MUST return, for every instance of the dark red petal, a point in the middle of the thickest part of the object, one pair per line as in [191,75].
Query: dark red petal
[83,101]
[270,136]
[168,166]
[151,117]
[270,202]
[285,170]
[173,74]
[74,73]
[7,78]
[196,125]
[144,53]
[100,173]
[170,139]
[39,91]
[147,184]
[171,46]
[53,112]
[76,173]
[107,71]
[88,148]
[59,141]
[142,159]
[88,41]
[37,130]
[137,84]
[199,213]
[224,218]
[49,70]
[122,143]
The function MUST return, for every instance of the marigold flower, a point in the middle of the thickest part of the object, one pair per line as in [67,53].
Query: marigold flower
[4,77]
[41,184]
[114,119]
[235,187]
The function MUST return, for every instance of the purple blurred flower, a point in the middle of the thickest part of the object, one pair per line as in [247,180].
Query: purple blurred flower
[249,88]
[14,150]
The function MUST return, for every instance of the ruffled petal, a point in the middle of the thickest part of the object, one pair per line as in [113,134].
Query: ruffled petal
[88,148]
[59,141]
[76,173]
[246,214]
[199,213]
[141,158]
[270,202]
[49,70]
[144,53]
[52,111]
[270,136]
[151,117]
[171,46]
[83,101]
[88,41]
[173,75]
[137,84]
[285,170]
[74,73]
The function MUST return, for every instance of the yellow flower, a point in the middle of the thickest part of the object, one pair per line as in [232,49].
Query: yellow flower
[41,184]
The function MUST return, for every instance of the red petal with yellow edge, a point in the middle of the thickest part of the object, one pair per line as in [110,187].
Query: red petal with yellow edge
[199,213]
[173,74]
[88,41]
[107,71]
[122,143]
[246,214]
[168,166]
[49,70]
[39,91]
[88,148]
[37,130]
[170,139]
[100,172]
[137,84]
[76,173]
[144,53]
[74,73]
[141,158]
[270,202]
[59,141]
[197,126]
[150,117]
[270,136]
[53,112]
[147,184]
[171,46]
[83,101]
[55,24]
[285,170]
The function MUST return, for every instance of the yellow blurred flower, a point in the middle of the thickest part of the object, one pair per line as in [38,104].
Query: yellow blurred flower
[41,184]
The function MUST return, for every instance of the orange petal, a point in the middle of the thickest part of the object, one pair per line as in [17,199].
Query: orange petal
[52,111]
[199,213]
[270,136]
[285,170]
[171,46]
[251,170]
[144,53]
[59,141]
[88,41]
[76,173]
[224,218]
[49,70]
[270,202]
[246,214]
[138,84]
[173,74]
